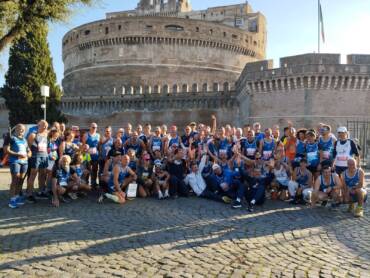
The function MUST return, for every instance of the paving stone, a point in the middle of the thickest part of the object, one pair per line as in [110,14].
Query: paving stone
[187,237]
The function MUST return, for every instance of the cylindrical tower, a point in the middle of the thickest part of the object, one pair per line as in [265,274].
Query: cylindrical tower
[166,48]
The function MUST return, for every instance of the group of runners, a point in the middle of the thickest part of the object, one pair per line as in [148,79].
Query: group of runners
[237,166]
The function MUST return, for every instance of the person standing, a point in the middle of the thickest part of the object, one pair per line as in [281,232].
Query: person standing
[344,149]
[92,139]
[38,143]
[18,152]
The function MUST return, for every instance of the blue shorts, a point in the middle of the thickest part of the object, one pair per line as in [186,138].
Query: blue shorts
[339,169]
[354,198]
[39,162]
[18,168]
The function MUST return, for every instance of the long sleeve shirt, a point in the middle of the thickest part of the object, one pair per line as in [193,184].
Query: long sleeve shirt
[195,180]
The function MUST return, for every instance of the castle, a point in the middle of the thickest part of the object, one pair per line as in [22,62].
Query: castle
[164,63]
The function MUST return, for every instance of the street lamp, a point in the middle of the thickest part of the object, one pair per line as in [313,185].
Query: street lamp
[45,94]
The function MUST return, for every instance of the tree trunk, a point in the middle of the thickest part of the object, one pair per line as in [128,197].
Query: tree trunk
[10,36]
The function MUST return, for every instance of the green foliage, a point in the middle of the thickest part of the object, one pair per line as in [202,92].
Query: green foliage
[30,66]
[18,16]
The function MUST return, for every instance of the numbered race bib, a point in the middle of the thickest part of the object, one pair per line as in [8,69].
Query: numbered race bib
[251,151]
[63,183]
[156,148]
[311,156]
[326,154]
[131,190]
[42,147]
[93,150]
[342,158]
[267,154]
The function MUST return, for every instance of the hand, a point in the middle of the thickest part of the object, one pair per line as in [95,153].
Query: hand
[22,155]
[213,117]
[55,202]
[224,186]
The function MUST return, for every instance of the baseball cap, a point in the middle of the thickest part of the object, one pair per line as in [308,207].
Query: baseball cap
[157,162]
[215,166]
[342,129]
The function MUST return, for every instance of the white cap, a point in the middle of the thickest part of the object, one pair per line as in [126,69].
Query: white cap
[215,166]
[342,129]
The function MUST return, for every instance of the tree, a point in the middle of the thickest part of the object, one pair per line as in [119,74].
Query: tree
[30,66]
[17,16]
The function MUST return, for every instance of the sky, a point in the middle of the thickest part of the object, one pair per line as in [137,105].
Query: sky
[291,26]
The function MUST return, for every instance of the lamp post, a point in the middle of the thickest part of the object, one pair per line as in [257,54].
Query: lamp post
[45,94]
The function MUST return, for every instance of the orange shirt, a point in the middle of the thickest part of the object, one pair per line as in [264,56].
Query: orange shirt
[290,148]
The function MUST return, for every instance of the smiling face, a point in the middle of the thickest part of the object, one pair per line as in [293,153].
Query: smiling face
[125,160]
[20,130]
[351,164]
[42,126]
[93,128]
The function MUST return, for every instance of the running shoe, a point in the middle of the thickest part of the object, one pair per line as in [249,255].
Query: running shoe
[359,212]
[72,195]
[42,195]
[351,208]
[64,199]
[324,203]
[13,203]
[226,200]
[251,208]
[236,204]
[31,199]
[20,200]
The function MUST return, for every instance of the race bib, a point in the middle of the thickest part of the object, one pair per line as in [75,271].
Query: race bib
[311,156]
[42,147]
[93,150]
[267,154]
[156,148]
[131,190]
[326,154]
[251,151]
[342,158]
[63,183]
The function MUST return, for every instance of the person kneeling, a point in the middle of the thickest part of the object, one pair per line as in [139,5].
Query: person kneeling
[80,176]
[197,183]
[354,191]
[300,188]
[120,178]
[328,185]
[61,180]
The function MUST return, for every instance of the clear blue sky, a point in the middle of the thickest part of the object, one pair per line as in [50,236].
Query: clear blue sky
[291,26]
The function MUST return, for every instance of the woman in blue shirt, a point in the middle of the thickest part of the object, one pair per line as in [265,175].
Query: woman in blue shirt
[19,152]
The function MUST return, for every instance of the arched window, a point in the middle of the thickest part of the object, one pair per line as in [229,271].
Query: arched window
[194,88]
[226,87]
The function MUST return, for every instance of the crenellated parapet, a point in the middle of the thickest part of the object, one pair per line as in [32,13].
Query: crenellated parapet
[308,71]
[307,89]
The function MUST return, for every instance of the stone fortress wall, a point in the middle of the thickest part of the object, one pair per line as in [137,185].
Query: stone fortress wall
[173,46]
[307,89]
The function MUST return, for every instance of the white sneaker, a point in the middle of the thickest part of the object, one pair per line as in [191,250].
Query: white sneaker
[160,195]
[73,195]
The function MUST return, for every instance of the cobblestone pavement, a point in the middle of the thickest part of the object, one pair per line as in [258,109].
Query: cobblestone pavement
[184,237]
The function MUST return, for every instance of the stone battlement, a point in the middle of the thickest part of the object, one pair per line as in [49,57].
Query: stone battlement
[307,71]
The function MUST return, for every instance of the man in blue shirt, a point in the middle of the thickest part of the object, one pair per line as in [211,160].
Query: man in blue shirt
[224,180]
